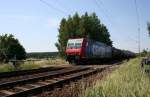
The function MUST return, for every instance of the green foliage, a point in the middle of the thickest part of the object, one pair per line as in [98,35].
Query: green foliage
[144,53]
[81,26]
[127,81]
[10,48]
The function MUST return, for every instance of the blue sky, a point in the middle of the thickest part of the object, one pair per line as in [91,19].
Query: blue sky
[36,25]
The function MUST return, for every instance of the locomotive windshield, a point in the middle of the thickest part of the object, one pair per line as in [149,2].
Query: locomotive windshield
[77,45]
[70,45]
[74,43]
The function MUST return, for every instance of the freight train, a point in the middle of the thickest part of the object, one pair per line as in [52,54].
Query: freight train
[85,50]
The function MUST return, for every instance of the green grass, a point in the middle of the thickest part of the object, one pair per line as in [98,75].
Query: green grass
[28,66]
[127,81]
[33,65]
[147,66]
[6,68]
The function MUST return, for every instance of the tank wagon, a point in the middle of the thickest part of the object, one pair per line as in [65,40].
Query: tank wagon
[83,50]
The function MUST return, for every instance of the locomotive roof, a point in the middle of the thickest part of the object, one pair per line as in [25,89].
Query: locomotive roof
[75,40]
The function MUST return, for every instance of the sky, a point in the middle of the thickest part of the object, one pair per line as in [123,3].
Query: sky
[35,24]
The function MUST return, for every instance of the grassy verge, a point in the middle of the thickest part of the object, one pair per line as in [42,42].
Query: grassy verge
[6,68]
[42,63]
[33,65]
[127,81]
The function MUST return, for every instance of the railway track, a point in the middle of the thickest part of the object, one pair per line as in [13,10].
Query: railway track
[45,81]
[27,72]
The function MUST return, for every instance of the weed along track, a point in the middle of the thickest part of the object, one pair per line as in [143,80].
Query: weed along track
[37,83]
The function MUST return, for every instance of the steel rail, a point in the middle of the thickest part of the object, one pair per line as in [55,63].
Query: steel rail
[54,82]
[41,77]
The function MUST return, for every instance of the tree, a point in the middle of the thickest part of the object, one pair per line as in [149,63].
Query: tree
[144,53]
[10,48]
[81,26]
[148,27]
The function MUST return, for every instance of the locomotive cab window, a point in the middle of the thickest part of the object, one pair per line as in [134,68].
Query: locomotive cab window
[77,45]
[70,45]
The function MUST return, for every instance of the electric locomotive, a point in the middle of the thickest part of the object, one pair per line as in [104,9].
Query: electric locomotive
[84,50]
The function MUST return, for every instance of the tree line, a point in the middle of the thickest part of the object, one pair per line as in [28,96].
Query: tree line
[39,55]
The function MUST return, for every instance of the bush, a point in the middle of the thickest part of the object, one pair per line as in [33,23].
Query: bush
[10,48]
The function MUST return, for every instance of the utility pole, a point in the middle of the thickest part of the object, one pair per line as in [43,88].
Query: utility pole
[138,22]
[139,40]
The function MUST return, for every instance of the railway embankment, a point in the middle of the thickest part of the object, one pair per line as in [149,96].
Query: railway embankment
[128,80]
